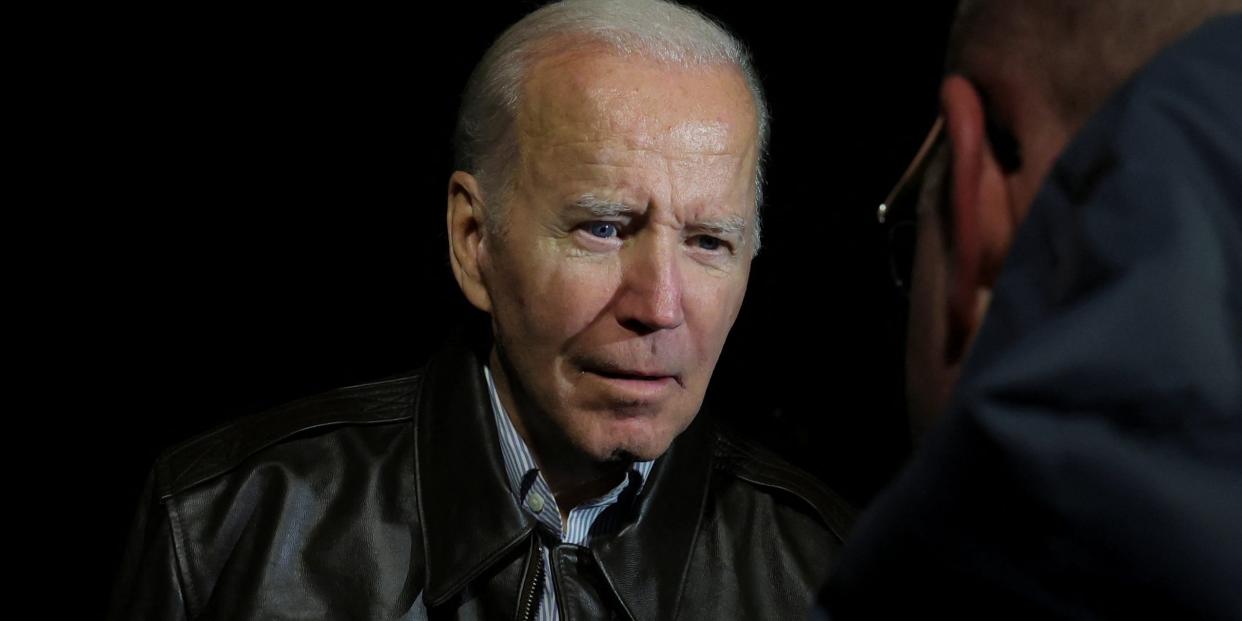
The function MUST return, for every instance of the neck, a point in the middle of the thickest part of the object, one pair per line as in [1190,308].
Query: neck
[572,476]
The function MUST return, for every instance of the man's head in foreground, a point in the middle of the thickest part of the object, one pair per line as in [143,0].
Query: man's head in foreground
[1022,79]
[604,214]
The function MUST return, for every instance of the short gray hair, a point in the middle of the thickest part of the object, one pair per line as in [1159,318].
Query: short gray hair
[484,143]
[1079,52]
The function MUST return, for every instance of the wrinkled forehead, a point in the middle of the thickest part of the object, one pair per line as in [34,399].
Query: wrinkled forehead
[595,96]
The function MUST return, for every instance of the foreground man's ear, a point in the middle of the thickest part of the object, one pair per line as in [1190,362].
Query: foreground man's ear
[981,214]
[466,238]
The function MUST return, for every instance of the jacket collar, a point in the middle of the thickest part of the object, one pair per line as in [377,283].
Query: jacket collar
[470,519]
[646,562]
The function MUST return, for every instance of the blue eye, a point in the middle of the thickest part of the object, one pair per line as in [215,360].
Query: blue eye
[707,242]
[602,230]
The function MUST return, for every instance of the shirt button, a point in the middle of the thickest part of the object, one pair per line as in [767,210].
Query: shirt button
[535,502]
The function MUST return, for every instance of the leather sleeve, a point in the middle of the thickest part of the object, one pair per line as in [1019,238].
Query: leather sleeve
[148,583]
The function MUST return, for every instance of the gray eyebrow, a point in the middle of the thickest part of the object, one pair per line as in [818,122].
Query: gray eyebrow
[602,208]
[726,227]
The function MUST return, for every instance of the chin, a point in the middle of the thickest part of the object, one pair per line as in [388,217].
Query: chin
[635,439]
[638,452]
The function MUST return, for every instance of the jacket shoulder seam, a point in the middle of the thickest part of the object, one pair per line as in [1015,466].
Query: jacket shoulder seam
[218,451]
[184,583]
[761,468]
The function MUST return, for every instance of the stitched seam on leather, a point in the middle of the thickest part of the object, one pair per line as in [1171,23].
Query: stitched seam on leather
[235,462]
[420,397]
[561,595]
[184,580]
[824,514]
[418,481]
[741,451]
[782,473]
[629,614]
[694,541]
[490,558]
[204,451]
[483,566]
[798,484]
[830,518]
[206,445]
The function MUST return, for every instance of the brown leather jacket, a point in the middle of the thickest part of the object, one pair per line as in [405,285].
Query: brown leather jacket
[389,501]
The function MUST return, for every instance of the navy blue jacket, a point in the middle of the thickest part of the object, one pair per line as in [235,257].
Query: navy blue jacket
[1090,464]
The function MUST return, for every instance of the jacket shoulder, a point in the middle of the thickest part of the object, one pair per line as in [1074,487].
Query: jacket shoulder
[758,466]
[219,451]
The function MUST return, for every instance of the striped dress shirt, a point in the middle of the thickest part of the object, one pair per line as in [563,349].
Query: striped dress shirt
[589,519]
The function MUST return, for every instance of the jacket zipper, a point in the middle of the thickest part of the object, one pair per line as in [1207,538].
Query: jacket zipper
[534,589]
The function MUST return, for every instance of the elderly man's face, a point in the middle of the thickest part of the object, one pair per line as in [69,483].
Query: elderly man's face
[626,247]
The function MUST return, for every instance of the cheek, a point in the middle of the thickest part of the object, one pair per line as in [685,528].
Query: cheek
[712,304]
[563,296]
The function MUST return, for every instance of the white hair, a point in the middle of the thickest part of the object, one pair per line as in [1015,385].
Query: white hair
[485,144]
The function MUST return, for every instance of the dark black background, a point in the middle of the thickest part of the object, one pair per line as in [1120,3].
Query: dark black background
[265,197]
